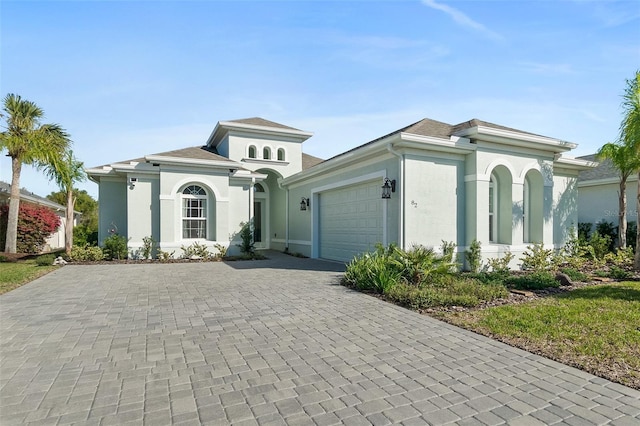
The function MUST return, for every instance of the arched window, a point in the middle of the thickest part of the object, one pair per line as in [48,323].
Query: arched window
[280,154]
[252,151]
[266,153]
[500,214]
[533,202]
[194,212]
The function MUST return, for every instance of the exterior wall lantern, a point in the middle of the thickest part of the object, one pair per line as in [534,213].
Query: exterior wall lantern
[304,204]
[388,187]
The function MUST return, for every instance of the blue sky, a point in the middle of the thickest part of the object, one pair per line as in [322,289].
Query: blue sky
[133,78]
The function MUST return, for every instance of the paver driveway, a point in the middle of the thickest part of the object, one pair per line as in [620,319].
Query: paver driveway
[268,342]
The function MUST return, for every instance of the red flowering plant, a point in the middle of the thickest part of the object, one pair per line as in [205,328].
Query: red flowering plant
[35,225]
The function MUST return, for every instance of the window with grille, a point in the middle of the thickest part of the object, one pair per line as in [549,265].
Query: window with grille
[194,212]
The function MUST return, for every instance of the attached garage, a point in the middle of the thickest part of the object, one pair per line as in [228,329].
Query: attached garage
[351,220]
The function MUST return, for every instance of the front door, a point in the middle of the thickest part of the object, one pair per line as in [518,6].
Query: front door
[259,224]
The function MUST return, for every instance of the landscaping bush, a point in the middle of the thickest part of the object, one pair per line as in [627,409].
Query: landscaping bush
[448,251]
[45,260]
[574,274]
[584,231]
[195,250]
[474,256]
[86,253]
[500,265]
[632,229]
[419,262]
[459,291]
[246,238]
[622,258]
[148,247]
[601,245]
[618,273]
[222,250]
[35,225]
[83,235]
[533,281]
[115,247]
[608,229]
[536,258]
[377,271]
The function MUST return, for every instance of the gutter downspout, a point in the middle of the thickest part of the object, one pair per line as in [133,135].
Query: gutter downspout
[286,216]
[402,196]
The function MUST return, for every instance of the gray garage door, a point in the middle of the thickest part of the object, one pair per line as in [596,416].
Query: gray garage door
[350,220]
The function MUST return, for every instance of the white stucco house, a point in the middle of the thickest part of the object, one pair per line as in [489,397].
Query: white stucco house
[473,180]
[598,192]
[55,240]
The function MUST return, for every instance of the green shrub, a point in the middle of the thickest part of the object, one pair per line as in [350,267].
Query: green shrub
[377,271]
[86,253]
[148,247]
[448,251]
[536,258]
[165,256]
[600,244]
[474,256]
[500,265]
[621,258]
[418,263]
[618,273]
[458,291]
[632,230]
[222,250]
[45,260]
[115,247]
[4,259]
[85,235]
[246,238]
[195,250]
[532,281]
[608,229]
[584,231]
[574,274]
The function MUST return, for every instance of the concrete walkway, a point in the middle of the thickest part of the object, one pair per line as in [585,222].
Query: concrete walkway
[270,343]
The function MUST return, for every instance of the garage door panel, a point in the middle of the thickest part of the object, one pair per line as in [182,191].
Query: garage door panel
[350,221]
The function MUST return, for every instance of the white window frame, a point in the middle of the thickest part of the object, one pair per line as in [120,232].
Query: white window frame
[284,154]
[266,150]
[201,196]
[255,151]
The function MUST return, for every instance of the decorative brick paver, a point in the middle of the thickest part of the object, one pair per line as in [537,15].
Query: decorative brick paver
[274,342]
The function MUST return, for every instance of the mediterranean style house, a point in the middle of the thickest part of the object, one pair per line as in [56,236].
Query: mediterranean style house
[598,192]
[423,184]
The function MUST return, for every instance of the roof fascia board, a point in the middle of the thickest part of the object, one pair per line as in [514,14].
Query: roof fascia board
[605,181]
[455,145]
[574,164]
[516,138]
[191,161]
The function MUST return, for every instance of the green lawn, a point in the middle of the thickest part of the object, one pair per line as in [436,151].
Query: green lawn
[15,274]
[595,328]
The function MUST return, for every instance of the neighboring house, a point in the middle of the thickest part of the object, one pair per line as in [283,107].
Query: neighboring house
[56,240]
[474,180]
[599,191]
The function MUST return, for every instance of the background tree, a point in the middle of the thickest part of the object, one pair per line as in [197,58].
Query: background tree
[27,142]
[86,230]
[623,158]
[65,170]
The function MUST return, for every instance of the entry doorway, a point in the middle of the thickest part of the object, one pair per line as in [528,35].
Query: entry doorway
[260,219]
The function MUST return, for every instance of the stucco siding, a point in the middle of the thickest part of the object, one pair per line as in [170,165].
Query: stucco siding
[143,212]
[112,214]
[565,207]
[434,200]
[599,203]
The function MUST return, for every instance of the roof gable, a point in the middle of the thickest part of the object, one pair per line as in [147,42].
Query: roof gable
[258,121]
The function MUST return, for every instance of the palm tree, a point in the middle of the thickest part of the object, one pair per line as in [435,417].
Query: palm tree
[624,159]
[27,142]
[66,170]
[630,136]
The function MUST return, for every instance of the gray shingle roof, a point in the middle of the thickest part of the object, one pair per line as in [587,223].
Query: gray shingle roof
[5,188]
[195,152]
[475,122]
[605,169]
[309,161]
[257,121]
